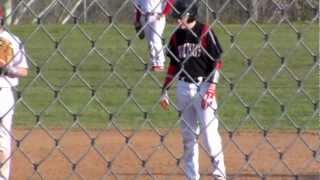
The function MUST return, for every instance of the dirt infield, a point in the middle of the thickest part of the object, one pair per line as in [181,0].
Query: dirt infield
[109,155]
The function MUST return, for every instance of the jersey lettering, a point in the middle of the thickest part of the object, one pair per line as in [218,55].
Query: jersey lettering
[189,50]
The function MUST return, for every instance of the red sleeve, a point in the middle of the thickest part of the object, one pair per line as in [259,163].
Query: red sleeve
[204,36]
[172,48]
[172,70]
[168,7]
[210,42]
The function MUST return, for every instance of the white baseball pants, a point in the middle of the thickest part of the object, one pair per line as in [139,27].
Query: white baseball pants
[189,97]
[7,101]
[153,32]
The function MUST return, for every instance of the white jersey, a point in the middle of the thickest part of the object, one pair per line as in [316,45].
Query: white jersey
[19,59]
[151,6]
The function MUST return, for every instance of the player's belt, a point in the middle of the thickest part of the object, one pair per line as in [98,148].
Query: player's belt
[152,13]
[198,79]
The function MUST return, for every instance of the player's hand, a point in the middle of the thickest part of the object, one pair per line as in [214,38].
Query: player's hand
[137,26]
[208,97]
[160,16]
[164,100]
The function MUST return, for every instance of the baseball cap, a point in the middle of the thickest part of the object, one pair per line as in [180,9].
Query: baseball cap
[185,8]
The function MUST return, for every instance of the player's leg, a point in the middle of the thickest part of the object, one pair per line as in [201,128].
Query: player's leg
[212,141]
[148,31]
[159,26]
[153,31]
[6,115]
[209,131]
[190,131]
[5,146]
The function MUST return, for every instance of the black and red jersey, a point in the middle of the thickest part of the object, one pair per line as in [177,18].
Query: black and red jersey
[197,57]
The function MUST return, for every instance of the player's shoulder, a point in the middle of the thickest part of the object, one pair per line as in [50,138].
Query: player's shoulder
[200,24]
[201,27]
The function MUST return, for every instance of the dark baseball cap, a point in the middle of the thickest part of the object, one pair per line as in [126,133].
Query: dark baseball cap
[185,8]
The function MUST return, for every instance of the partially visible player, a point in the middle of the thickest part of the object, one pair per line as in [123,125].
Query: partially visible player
[13,64]
[151,15]
[195,55]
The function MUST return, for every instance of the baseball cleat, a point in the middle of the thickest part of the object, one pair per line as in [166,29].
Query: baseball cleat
[219,178]
[157,68]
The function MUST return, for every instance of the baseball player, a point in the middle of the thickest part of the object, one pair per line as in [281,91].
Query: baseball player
[151,15]
[195,60]
[13,64]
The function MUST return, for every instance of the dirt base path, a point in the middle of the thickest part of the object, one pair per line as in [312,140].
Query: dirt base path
[109,155]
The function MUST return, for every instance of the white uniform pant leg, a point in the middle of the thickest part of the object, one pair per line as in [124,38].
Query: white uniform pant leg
[153,32]
[6,116]
[190,131]
[210,134]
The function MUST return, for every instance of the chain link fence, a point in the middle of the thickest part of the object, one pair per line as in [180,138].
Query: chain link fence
[90,107]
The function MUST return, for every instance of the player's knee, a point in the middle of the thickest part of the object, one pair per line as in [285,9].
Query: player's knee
[189,140]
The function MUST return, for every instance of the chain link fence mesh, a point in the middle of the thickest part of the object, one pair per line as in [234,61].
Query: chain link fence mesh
[89,108]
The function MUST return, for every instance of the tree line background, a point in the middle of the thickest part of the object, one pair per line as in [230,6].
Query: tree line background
[121,11]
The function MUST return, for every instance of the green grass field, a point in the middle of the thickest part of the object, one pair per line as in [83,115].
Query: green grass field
[89,74]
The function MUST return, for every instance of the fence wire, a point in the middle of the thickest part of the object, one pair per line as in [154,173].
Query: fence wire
[90,93]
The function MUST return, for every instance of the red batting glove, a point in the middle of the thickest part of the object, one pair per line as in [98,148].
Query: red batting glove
[164,101]
[208,96]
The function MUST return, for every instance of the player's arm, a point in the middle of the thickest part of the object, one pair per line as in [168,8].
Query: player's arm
[171,73]
[173,65]
[164,101]
[14,71]
[214,51]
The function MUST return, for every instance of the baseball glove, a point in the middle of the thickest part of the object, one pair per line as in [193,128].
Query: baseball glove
[6,52]
[138,28]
